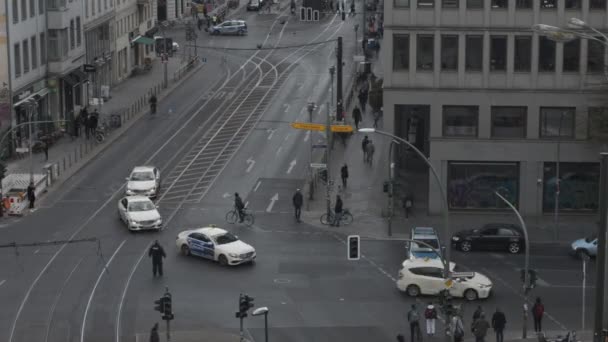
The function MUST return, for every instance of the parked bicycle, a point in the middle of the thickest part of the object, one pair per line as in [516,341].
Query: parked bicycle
[345,219]
[101,132]
[232,217]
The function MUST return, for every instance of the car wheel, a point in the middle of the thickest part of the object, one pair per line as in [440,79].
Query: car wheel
[413,291]
[241,32]
[222,260]
[465,246]
[185,250]
[514,247]
[216,32]
[582,253]
[470,295]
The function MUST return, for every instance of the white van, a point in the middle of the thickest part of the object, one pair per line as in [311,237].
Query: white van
[254,5]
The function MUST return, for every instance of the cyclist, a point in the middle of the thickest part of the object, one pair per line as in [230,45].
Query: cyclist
[239,206]
[153,104]
[337,212]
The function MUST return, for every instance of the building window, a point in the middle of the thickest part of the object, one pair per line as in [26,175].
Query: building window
[32,8]
[572,55]
[471,185]
[23,10]
[54,49]
[78,32]
[86,8]
[474,53]
[546,54]
[573,4]
[105,4]
[597,4]
[500,4]
[449,52]
[40,7]
[548,4]
[92,7]
[449,3]
[17,59]
[509,122]
[523,53]
[578,187]
[401,52]
[34,48]
[26,56]
[557,122]
[474,4]
[424,52]
[595,56]
[523,4]
[42,49]
[72,35]
[498,53]
[402,3]
[426,3]
[460,121]
[598,123]
[99,6]
[15,11]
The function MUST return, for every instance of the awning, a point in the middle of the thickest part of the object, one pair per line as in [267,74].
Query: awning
[70,80]
[143,40]
[40,93]
[80,75]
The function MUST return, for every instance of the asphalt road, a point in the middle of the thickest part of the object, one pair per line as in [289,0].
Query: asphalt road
[228,132]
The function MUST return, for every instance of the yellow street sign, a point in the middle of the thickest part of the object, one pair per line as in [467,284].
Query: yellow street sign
[342,128]
[449,283]
[308,126]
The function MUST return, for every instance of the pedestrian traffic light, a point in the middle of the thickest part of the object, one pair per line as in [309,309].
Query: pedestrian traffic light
[168,310]
[353,247]
[245,303]
[532,277]
[385,186]
[160,305]
[343,15]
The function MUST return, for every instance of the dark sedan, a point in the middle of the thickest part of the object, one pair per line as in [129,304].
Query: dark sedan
[492,236]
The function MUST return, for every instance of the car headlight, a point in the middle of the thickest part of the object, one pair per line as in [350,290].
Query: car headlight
[151,191]
[129,192]
[159,221]
[455,238]
[134,223]
[484,286]
[233,255]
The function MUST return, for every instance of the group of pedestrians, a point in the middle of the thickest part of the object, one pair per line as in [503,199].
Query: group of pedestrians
[87,120]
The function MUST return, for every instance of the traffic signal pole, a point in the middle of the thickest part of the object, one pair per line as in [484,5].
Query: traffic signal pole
[339,100]
[598,321]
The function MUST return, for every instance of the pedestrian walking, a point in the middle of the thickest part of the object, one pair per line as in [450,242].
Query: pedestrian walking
[457,328]
[357,116]
[430,315]
[480,328]
[94,121]
[538,310]
[86,122]
[400,338]
[477,313]
[298,200]
[408,203]
[362,99]
[154,334]
[364,148]
[199,23]
[344,175]
[498,324]
[31,194]
[377,116]
[45,147]
[369,149]
[157,253]
[414,319]
[337,211]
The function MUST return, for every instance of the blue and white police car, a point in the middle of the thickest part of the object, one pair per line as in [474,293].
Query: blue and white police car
[216,244]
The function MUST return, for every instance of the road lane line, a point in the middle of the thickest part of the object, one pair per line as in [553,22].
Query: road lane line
[2,282]
[257,186]
[279,150]
[56,301]
[126,288]
[36,251]
[101,273]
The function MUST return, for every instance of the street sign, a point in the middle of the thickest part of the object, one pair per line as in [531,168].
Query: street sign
[448,283]
[462,274]
[308,126]
[318,165]
[89,68]
[342,128]
[319,146]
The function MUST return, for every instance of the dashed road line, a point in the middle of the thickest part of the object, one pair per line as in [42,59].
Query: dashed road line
[2,282]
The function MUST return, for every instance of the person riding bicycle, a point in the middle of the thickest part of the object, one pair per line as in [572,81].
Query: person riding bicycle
[239,206]
[153,103]
[337,212]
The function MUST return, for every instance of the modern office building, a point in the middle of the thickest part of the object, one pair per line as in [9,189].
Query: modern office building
[493,104]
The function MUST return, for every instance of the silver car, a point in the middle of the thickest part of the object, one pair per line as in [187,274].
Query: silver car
[238,27]
[144,181]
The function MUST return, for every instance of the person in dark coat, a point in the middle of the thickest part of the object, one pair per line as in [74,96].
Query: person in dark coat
[337,211]
[239,206]
[298,200]
[498,324]
[157,253]
[477,313]
[538,310]
[400,338]
[86,122]
[357,116]
[344,175]
[45,147]
[94,121]
[154,334]
[362,99]
[480,328]
[31,194]
[364,147]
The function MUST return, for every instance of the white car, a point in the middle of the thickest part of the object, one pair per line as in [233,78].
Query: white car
[216,244]
[139,213]
[144,180]
[425,277]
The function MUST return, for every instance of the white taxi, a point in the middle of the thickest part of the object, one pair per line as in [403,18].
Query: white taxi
[216,244]
[139,213]
[425,277]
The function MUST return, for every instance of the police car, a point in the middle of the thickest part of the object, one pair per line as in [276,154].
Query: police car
[216,244]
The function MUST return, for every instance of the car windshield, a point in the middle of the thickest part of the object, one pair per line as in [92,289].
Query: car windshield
[226,238]
[141,206]
[590,238]
[432,242]
[142,176]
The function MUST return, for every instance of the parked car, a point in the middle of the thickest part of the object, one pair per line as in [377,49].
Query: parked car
[585,247]
[427,235]
[491,236]
[254,5]
[238,27]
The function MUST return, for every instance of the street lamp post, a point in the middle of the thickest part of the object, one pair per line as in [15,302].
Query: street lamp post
[391,198]
[311,108]
[263,311]
[31,107]
[557,179]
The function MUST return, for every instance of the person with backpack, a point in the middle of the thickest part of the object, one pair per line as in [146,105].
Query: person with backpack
[430,314]
[414,319]
[538,310]
[457,328]
[480,328]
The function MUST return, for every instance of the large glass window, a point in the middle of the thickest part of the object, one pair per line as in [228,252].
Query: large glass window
[401,52]
[578,186]
[449,52]
[54,49]
[42,49]
[523,53]
[474,4]
[15,11]
[572,55]
[424,52]
[34,46]
[546,54]
[597,4]
[474,53]
[508,122]
[72,34]
[23,9]
[472,185]
[557,122]
[598,123]
[498,53]
[500,4]
[449,3]
[573,4]
[402,3]
[548,4]
[523,4]
[595,56]
[460,121]
[426,3]
[17,59]
[32,8]
[78,32]
[26,56]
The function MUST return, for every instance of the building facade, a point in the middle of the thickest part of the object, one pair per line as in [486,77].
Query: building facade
[5,93]
[494,105]
[100,46]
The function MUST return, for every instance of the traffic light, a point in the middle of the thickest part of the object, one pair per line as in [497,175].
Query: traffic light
[343,15]
[160,305]
[532,278]
[245,303]
[353,247]
[385,186]
[167,308]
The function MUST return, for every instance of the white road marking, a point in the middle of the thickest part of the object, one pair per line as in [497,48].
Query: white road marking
[270,132]
[251,163]
[101,273]
[306,136]
[320,111]
[279,150]
[2,282]
[541,282]
[226,195]
[36,251]
[246,204]
[273,199]
[257,186]
[124,292]
[56,301]
[291,165]
[287,136]
[286,108]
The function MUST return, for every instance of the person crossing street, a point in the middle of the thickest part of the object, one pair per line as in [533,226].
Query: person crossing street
[157,253]
[363,147]
[357,116]
[344,175]
[298,200]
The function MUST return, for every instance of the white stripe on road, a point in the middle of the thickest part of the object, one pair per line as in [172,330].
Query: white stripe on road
[2,282]
[101,273]
[124,292]
[257,186]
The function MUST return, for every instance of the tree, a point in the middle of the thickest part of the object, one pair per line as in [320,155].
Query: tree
[375,93]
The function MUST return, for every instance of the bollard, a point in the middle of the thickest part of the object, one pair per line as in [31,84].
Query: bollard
[81,151]
[70,160]
[63,163]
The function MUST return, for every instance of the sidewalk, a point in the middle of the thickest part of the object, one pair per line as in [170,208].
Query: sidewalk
[215,335]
